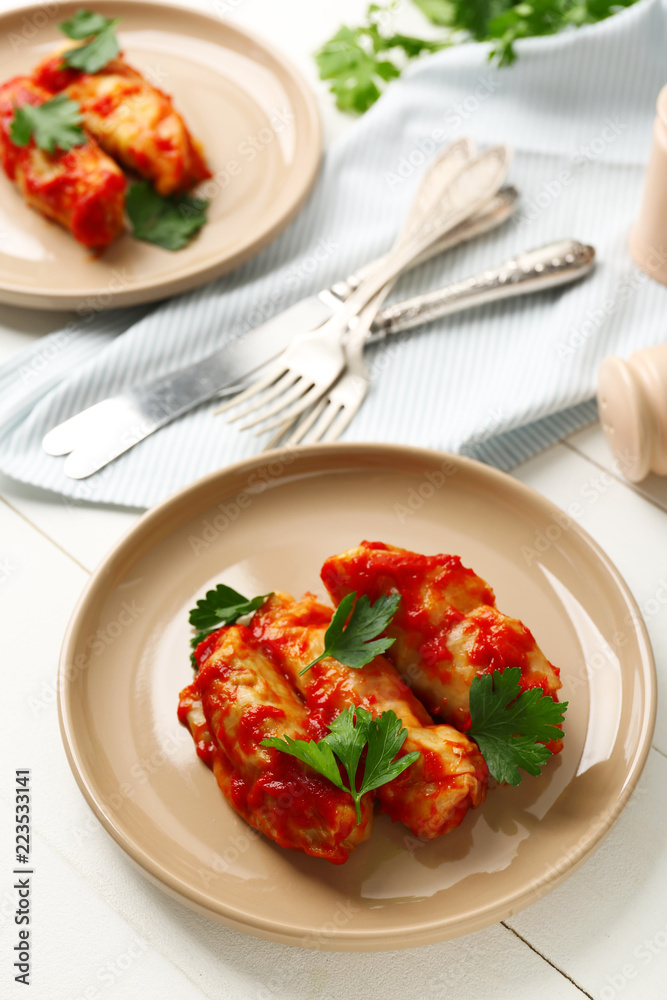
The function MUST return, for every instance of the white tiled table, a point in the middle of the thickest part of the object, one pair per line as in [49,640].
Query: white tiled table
[100,930]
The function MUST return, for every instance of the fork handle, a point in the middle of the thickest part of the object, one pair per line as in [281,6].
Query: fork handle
[468,193]
[547,267]
[497,211]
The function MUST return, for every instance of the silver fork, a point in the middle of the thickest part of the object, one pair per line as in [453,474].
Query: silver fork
[331,414]
[347,393]
[533,271]
[444,170]
[312,362]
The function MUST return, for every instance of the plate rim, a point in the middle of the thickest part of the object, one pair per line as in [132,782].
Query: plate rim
[343,454]
[155,289]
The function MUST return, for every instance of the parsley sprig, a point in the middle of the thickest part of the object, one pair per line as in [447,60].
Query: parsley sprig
[56,124]
[356,643]
[221,606]
[510,726]
[359,61]
[349,734]
[102,47]
[169,223]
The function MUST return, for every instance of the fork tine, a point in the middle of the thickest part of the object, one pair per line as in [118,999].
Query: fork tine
[303,426]
[327,417]
[274,373]
[298,427]
[276,438]
[310,397]
[263,397]
[293,391]
[286,380]
[343,418]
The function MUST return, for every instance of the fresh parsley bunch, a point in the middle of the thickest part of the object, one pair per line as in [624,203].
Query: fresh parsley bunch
[359,61]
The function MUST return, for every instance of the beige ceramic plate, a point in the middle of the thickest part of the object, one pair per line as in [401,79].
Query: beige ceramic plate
[268,523]
[254,114]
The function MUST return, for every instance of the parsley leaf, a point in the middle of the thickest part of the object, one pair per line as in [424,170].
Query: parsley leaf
[356,643]
[102,47]
[348,740]
[356,72]
[349,734]
[319,756]
[222,606]
[359,61]
[54,125]
[169,223]
[510,726]
[442,12]
[83,24]
[386,735]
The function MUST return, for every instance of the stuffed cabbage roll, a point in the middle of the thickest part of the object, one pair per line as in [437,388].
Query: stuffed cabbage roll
[447,627]
[132,120]
[82,188]
[238,698]
[434,793]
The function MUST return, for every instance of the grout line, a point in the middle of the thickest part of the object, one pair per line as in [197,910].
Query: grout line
[40,531]
[555,967]
[619,479]
[658,750]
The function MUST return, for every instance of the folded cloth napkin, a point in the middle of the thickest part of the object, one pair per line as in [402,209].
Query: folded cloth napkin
[499,383]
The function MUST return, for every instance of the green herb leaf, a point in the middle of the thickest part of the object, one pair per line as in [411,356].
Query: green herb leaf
[348,741]
[359,61]
[222,606]
[83,24]
[510,726]
[441,12]
[355,71]
[319,756]
[54,125]
[356,643]
[386,736]
[169,223]
[349,734]
[102,47]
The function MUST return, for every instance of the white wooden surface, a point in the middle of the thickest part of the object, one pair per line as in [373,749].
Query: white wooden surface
[101,931]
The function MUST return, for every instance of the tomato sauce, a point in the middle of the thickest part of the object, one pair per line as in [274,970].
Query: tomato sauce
[54,75]
[499,642]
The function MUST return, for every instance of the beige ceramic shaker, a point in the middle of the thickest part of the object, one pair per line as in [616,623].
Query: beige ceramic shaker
[648,237]
[632,400]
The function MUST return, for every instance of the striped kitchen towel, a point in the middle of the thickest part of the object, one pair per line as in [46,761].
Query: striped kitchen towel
[498,383]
